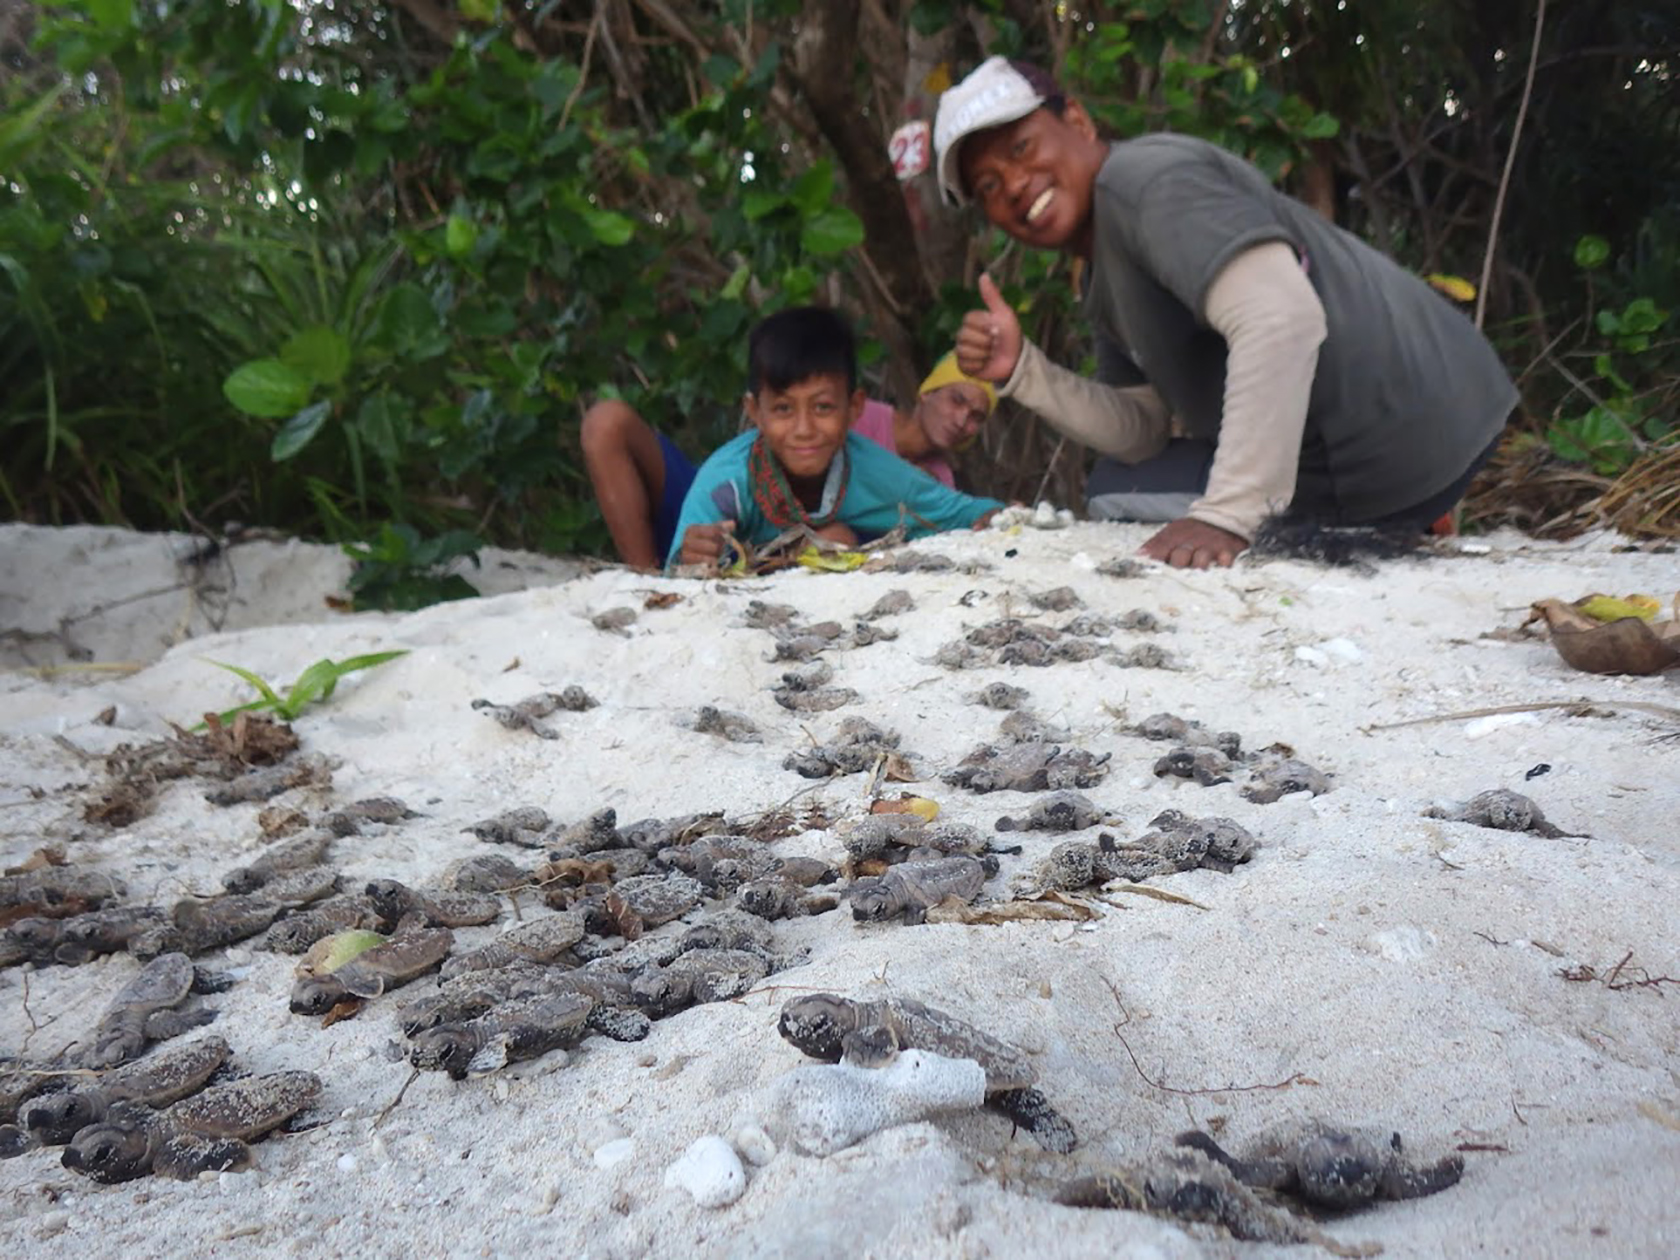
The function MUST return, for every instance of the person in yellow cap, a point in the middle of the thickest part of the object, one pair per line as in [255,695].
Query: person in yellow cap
[640,476]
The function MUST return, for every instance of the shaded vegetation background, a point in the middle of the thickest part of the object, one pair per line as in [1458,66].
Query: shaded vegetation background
[355,269]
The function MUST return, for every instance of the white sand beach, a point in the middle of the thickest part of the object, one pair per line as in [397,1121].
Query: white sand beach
[1370,966]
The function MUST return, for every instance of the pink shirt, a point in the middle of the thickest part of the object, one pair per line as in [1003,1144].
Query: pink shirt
[876,424]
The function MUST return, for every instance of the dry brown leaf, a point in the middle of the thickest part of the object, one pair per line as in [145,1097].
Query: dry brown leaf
[1149,890]
[46,855]
[1625,646]
[896,769]
[107,715]
[628,922]
[661,599]
[346,1009]
[907,803]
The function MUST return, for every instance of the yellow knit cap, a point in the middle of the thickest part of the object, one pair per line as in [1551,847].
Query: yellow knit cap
[946,372]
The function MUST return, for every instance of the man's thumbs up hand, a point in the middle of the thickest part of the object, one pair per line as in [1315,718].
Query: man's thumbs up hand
[989,341]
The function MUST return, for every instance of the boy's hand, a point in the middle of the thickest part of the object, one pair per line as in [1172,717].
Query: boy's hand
[842,534]
[1193,544]
[989,341]
[707,544]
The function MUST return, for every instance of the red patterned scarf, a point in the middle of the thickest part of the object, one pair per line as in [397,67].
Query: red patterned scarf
[775,497]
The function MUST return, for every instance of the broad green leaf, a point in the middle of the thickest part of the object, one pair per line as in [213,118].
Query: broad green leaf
[608,226]
[1320,127]
[266,388]
[831,231]
[407,322]
[1591,252]
[111,15]
[319,353]
[737,283]
[756,203]
[459,236]
[814,189]
[383,422]
[299,431]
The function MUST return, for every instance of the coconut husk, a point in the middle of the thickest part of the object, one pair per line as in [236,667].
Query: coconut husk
[1627,645]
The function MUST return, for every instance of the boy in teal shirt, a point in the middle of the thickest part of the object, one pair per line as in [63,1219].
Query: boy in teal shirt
[801,464]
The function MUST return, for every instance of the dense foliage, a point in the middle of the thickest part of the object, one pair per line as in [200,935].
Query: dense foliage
[354,269]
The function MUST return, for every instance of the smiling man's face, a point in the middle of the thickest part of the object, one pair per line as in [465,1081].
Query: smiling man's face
[1034,177]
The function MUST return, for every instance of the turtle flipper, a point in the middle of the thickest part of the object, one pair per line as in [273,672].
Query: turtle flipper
[1030,1109]
[13,1141]
[161,1025]
[1406,1181]
[1269,1174]
[493,1054]
[184,1155]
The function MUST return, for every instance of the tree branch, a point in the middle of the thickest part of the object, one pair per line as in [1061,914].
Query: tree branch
[1510,161]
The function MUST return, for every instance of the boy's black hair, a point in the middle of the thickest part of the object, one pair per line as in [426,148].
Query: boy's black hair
[797,344]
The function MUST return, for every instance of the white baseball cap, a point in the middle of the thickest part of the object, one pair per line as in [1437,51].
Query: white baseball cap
[994,93]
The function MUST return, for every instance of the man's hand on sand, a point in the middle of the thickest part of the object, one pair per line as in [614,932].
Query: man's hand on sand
[1192,544]
[707,544]
[989,341]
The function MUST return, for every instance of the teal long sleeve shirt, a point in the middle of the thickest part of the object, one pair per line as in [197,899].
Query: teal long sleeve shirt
[880,483]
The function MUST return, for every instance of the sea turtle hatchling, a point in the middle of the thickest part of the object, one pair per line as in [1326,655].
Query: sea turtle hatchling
[1277,777]
[909,889]
[696,977]
[735,728]
[1332,1167]
[143,1010]
[527,714]
[1058,811]
[522,825]
[157,1080]
[403,958]
[297,932]
[289,855]
[438,907]
[524,1028]
[1186,1185]
[81,937]
[538,940]
[1206,765]
[1503,810]
[1028,768]
[205,1132]
[829,1027]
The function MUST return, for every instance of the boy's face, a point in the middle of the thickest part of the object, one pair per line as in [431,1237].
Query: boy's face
[805,424]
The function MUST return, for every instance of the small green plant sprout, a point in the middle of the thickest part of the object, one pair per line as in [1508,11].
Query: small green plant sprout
[315,683]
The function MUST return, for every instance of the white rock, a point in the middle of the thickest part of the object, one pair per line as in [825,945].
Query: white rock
[826,1108]
[237,956]
[53,1223]
[710,1171]
[347,1162]
[614,1152]
[1311,656]
[1344,650]
[756,1146]
[1476,728]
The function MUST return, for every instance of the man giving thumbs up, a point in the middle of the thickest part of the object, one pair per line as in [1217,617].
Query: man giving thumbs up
[1252,358]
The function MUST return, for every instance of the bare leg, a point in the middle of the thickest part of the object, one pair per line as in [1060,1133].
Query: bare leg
[627,469]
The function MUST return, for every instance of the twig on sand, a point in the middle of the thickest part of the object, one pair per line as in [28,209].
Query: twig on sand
[1577,708]
[1615,980]
[1295,1078]
[391,1106]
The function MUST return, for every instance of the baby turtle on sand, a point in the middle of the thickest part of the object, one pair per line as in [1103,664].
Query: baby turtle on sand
[1175,842]
[858,746]
[527,714]
[439,908]
[649,900]
[385,810]
[538,940]
[1278,776]
[776,897]
[1207,766]
[1000,695]
[206,1132]
[908,890]
[1188,731]
[143,1010]
[1059,811]
[199,924]
[1185,1185]
[48,887]
[761,616]
[1331,1167]
[698,976]
[289,855]
[736,728]
[1028,768]
[1503,810]
[522,825]
[79,938]
[486,873]
[297,932]
[829,1027]
[525,1028]
[260,784]
[378,970]
[157,1080]
[889,605]
[819,700]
